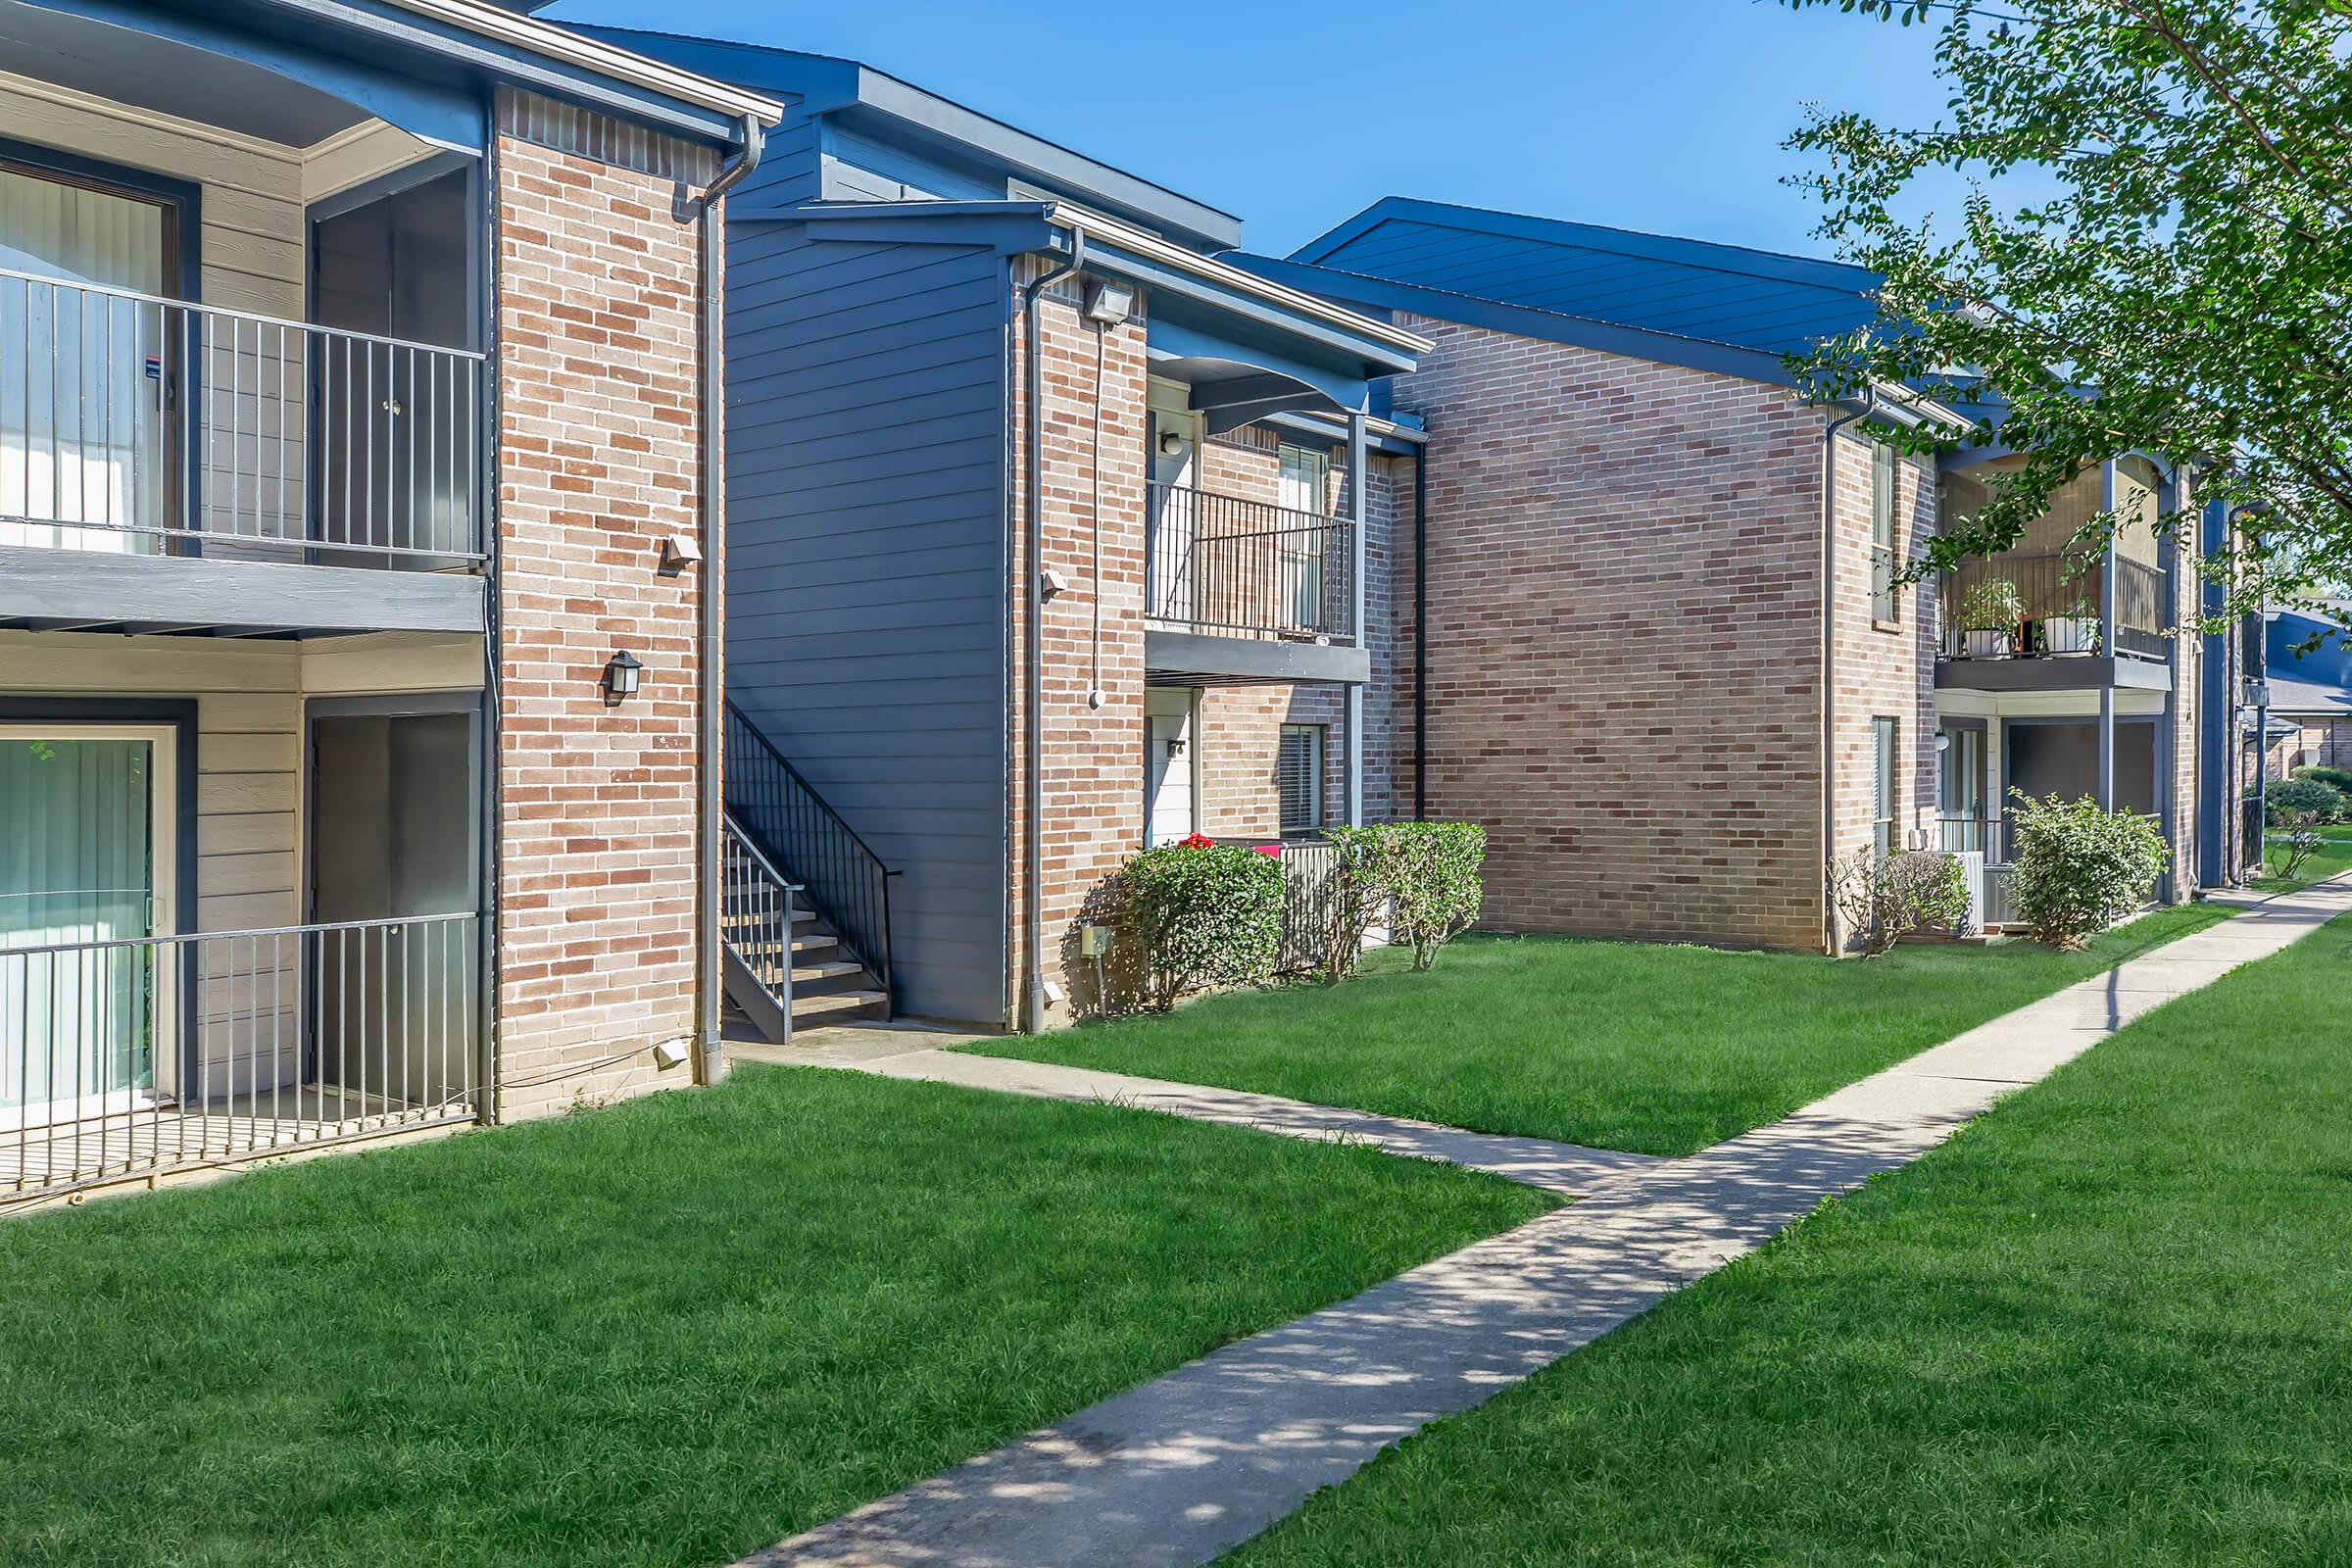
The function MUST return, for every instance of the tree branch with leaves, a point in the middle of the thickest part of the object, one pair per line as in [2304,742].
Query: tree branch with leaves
[2176,282]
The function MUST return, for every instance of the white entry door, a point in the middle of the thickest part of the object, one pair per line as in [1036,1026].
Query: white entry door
[1168,813]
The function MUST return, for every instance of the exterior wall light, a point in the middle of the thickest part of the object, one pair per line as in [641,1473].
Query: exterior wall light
[1108,302]
[620,678]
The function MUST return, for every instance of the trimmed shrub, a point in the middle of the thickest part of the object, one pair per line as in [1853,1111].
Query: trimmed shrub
[1437,888]
[1206,914]
[1365,872]
[2338,779]
[2080,869]
[1886,898]
[2306,795]
[2294,797]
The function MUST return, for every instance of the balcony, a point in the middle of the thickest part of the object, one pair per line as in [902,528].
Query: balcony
[2024,621]
[167,466]
[1246,590]
[141,1058]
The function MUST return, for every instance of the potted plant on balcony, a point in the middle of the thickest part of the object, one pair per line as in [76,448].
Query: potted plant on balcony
[2075,632]
[1990,614]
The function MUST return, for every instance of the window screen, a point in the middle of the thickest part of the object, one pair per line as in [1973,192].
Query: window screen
[1883,734]
[1299,776]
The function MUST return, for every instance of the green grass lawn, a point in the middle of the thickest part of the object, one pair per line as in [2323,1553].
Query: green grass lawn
[2106,1325]
[2334,858]
[671,1332]
[1617,1044]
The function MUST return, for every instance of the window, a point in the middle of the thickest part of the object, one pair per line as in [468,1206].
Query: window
[1883,467]
[1299,777]
[81,429]
[1884,733]
[1306,488]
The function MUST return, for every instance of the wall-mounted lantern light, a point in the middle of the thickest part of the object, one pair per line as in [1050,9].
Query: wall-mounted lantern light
[621,677]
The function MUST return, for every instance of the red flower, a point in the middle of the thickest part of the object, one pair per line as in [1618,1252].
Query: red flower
[1197,840]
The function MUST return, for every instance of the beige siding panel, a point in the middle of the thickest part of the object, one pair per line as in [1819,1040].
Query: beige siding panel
[390,662]
[245,833]
[248,748]
[250,754]
[226,874]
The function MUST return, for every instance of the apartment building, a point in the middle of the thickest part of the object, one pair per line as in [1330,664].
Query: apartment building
[1053,535]
[1669,658]
[358,680]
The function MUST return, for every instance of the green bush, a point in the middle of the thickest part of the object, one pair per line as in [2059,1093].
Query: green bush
[2080,869]
[1364,873]
[1885,898]
[2336,779]
[1426,872]
[1437,888]
[2294,797]
[1205,915]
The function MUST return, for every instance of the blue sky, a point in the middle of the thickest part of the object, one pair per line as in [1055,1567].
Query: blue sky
[1657,115]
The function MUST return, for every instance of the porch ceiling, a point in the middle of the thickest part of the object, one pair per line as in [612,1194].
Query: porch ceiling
[168,76]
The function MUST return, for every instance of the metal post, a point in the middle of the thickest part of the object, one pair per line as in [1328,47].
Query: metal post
[1353,701]
[2107,646]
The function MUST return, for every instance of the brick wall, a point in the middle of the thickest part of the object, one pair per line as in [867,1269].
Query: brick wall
[598,308]
[1623,639]
[1884,668]
[1092,756]
[1240,726]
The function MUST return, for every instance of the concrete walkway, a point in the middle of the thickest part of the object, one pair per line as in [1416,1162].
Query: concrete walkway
[916,1054]
[1189,1465]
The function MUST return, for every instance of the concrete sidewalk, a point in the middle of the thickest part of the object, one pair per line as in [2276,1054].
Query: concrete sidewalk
[918,1056]
[1183,1468]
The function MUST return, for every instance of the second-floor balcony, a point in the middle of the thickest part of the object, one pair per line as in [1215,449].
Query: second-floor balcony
[137,430]
[2050,606]
[1230,566]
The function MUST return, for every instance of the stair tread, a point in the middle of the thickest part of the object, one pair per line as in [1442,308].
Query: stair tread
[835,1001]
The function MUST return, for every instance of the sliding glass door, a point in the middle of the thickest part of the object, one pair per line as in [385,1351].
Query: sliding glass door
[85,871]
[86,368]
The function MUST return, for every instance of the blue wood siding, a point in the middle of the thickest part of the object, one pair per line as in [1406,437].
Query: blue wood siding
[865,442]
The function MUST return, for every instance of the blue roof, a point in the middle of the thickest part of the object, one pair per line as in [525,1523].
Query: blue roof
[1759,301]
[2319,680]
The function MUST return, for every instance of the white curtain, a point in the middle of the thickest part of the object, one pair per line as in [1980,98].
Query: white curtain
[77,866]
[80,373]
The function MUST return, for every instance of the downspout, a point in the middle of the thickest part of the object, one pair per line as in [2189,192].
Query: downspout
[1829,660]
[1421,634]
[711,1063]
[1033,679]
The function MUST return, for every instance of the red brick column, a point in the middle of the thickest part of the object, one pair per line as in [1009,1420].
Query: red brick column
[599,298]
[1093,756]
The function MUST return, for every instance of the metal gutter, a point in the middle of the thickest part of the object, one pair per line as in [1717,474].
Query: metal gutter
[575,49]
[1152,248]
[1033,749]
[711,1063]
[1421,635]
[1829,660]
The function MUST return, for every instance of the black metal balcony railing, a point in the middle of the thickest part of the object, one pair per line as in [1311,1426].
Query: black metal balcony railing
[2048,605]
[1221,563]
[137,425]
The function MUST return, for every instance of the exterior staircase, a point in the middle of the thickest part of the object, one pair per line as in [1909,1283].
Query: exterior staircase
[805,904]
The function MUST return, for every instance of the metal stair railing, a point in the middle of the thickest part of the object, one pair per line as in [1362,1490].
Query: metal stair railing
[782,816]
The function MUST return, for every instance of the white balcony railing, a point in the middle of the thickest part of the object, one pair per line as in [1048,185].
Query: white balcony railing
[134,424]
